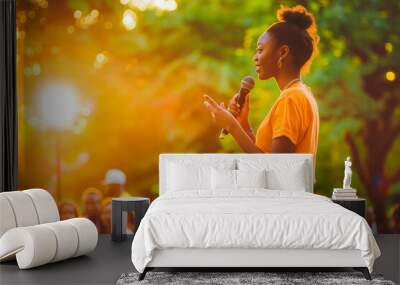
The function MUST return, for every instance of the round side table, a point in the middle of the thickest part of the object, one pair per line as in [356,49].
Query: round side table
[120,207]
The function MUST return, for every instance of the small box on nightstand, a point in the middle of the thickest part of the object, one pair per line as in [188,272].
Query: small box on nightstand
[356,205]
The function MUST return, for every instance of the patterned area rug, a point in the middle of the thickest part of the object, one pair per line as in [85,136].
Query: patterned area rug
[231,278]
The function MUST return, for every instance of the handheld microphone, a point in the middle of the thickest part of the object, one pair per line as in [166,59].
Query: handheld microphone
[246,85]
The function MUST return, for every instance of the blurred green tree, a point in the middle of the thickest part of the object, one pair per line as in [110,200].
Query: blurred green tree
[359,85]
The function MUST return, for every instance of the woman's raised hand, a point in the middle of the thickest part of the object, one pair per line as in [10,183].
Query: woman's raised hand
[221,116]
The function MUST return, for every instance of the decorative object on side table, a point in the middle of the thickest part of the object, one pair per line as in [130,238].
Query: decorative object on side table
[345,193]
[120,207]
[347,196]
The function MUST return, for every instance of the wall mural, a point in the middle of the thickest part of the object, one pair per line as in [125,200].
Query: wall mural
[105,86]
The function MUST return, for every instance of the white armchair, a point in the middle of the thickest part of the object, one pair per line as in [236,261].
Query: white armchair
[31,230]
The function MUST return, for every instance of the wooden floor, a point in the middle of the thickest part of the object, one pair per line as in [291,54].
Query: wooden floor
[111,259]
[102,266]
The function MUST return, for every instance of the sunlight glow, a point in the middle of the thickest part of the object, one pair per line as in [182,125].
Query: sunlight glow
[129,19]
[84,21]
[101,59]
[389,47]
[142,5]
[390,75]
[168,5]
[57,105]
[77,14]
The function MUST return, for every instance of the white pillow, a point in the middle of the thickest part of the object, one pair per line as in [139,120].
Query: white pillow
[281,175]
[237,179]
[181,177]
[193,174]
[223,179]
[292,180]
[251,178]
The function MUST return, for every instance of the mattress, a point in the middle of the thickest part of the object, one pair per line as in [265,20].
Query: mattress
[250,219]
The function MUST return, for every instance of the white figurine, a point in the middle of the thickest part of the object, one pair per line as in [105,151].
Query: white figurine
[347,174]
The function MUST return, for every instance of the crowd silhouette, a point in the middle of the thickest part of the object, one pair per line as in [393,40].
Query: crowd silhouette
[96,204]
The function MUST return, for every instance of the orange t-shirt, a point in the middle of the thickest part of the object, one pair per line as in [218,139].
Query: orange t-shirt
[295,116]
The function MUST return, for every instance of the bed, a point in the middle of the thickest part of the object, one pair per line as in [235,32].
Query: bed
[247,210]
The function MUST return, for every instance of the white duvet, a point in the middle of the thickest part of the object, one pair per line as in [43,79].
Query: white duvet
[253,218]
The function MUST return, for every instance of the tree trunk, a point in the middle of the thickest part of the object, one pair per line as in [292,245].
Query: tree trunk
[378,198]
[371,173]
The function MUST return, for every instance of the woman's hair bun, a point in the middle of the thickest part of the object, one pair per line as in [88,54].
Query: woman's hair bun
[297,15]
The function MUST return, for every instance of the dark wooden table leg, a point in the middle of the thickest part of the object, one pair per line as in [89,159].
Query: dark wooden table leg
[116,225]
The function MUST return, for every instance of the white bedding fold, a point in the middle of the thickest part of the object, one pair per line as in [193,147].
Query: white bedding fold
[253,218]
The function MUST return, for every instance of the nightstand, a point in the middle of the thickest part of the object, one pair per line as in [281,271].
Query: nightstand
[120,207]
[355,205]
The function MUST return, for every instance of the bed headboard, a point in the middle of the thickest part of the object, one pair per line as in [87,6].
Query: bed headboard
[165,157]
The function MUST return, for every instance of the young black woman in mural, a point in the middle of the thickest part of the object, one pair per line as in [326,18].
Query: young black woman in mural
[284,51]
